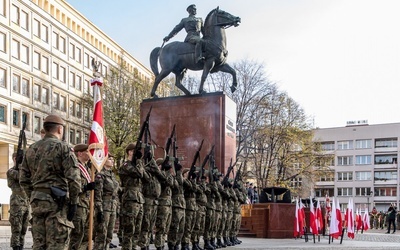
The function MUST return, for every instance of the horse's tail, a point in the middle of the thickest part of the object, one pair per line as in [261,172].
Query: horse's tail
[154,60]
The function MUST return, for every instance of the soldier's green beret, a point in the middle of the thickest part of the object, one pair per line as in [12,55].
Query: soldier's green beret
[55,119]
[80,147]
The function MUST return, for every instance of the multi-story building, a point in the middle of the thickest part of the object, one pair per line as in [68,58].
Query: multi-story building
[365,164]
[46,50]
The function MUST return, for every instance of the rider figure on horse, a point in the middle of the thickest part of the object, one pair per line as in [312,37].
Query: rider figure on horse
[193,26]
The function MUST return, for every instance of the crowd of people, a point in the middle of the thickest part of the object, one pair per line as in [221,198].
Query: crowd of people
[382,220]
[148,198]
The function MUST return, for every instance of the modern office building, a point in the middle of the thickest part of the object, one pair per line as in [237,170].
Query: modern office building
[46,50]
[365,164]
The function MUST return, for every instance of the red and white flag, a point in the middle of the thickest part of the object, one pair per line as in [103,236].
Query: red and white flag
[334,223]
[339,216]
[359,219]
[319,216]
[349,217]
[97,138]
[298,221]
[366,220]
[313,219]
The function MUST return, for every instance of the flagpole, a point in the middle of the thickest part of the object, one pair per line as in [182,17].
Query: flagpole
[91,211]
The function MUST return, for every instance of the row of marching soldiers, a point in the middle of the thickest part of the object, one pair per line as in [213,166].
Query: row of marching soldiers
[55,183]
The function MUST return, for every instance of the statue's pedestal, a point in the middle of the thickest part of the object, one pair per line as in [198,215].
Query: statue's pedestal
[211,117]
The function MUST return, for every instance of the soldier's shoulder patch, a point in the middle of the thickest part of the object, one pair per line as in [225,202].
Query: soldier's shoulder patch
[99,176]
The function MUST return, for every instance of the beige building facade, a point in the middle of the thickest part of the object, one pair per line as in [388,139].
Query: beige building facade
[365,165]
[46,51]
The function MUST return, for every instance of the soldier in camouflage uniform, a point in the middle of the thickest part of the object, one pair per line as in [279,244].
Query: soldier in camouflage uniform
[19,208]
[131,174]
[151,191]
[220,215]
[164,209]
[106,202]
[201,202]
[229,213]
[237,212]
[190,211]
[49,170]
[178,212]
[79,235]
[209,224]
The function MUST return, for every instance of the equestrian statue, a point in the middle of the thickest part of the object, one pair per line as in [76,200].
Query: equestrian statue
[207,53]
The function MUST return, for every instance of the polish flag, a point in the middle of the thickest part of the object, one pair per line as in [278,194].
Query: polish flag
[339,217]
[366,220]
[313,219]
[334,224]
[359,220]
[298,221]
[97,138]
[319,216]
[349,217]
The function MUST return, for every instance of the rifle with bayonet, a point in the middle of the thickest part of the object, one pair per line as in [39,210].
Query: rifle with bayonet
[196,157]
[238,176]
[206,159]
[21,143]
[166,164]
[225,181]
[143,131]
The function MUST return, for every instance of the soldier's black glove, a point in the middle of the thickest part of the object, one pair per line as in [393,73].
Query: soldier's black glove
[100,217]
[178,166]
[71,211]
[89,186]
[138,154]
[193,176]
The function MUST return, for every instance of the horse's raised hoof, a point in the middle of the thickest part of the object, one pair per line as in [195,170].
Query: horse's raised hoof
[233,88]
[202,92]
[154,96]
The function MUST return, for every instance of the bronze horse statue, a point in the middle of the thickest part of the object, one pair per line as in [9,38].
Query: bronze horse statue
[177,57]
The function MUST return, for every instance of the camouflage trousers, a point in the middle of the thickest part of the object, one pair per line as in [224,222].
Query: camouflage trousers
[19,215]
[190,217]
[177,226]
[80,230]
[209,224]
[236,220]
[149,218]
[200,217]
[132,213]
[228,224]
[50,228]
[163,222]
[221,227]
[104,230]
[217,223]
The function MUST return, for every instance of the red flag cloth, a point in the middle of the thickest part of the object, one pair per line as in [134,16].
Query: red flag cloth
[334,223]
[298,221]
[366,220]
[302,217]
[350,219]
[319,216]
[313,219]
[97,138]
[339,217]
[359,220]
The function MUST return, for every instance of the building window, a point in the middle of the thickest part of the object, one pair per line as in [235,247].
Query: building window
[62,103]
[86,140]
[345,176]
[385,191]
[36,92]
[360,144]
[45,65]
[2,41]
[78,55]
[24,20]
[386,143]
[2,8]
[3,78]
[328,146]
[86,115]
[62,74]
[78,137]
[36,28]
[72,79]
[15,49]
[86,62]
[345,191]
[78,110]
[44,33]
[385,176]
[72,107]
[55,70]
[24,54]
[363,160]
[363,191]
[344,145]
[327,177]
[36,125]
[363,176]
[72,51]
[296,182]
[54,40]
[36,60]
[345,160]
[25,118]
[385,159]
[56,100]
[45,95]
[25,87]
[14,14]
[16,83]
[86,87]
[15,118]
[72,136]
[78,83]
[322,192]
[3,113]
[62,44]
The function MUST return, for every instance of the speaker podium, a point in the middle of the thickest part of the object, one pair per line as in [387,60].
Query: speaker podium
[210,116]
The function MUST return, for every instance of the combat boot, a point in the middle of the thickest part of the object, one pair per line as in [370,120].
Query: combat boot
[207,245]
[227,242]
[219,243]
[212,242]
[194,246]
[238,241]
[176,247]
[16,248]
[185,246]
[232,240]
[170,246]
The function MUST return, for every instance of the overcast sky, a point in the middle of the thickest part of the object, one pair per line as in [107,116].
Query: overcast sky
[339,59]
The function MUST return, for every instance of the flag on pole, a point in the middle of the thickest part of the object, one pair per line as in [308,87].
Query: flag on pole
[366,220]
[334,224]
[349,217]
[298,221]
[319,216]
[339,216]
[313,219]
[359,219]
[98,147]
